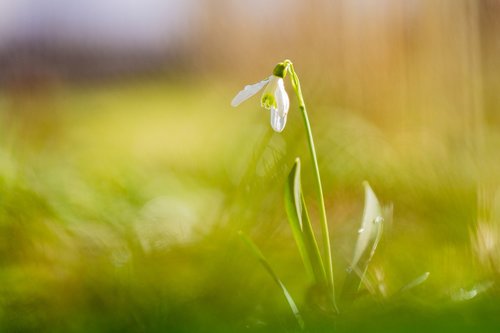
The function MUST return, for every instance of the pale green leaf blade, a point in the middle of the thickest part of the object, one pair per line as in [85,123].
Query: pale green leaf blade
[300,223]
[415,282]
[293,208]
[369,229]
[262,259]
[369,236]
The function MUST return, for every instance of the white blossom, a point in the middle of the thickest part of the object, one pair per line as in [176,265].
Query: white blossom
[274,98]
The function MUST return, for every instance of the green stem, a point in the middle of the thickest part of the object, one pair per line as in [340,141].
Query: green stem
[312,150]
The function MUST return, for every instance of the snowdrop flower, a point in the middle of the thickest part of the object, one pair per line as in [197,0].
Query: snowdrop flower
[274,98]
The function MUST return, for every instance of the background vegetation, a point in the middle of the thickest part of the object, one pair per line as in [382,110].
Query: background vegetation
[121,197]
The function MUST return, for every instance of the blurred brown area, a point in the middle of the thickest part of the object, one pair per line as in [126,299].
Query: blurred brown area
[413,62]
[405,65]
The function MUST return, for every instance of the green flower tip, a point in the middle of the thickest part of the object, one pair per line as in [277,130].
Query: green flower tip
[267,101]
[281,68]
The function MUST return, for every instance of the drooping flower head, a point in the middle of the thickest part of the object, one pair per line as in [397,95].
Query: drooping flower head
[274,97]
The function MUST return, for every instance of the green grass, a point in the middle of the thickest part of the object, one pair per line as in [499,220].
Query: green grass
[120,211]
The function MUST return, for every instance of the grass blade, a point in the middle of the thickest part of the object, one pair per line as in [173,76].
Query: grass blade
[301,225]
[260,256]
[368,239]
[415,282]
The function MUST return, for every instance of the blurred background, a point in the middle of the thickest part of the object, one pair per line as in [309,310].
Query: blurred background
[125,174]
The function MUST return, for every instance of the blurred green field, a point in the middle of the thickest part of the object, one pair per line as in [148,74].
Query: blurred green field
[120,206]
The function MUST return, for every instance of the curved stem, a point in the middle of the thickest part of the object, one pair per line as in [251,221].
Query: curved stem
[312,150]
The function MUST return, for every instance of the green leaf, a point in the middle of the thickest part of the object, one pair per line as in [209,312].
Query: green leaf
[415,282]
[260,256]
[301,225]
[370,233]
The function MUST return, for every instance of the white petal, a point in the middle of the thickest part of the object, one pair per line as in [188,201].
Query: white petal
[277,121]
[248,92]
[282,100]
[272,86]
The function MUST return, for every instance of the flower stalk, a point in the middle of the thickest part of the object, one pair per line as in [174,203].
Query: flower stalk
[275,99]
[327,252]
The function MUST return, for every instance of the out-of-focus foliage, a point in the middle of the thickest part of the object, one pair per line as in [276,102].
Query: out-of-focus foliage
[121,200]
[126,216]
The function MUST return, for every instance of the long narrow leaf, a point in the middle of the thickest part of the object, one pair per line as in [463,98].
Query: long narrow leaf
[301,225]
[368,239]
[415,282]
[260,256]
